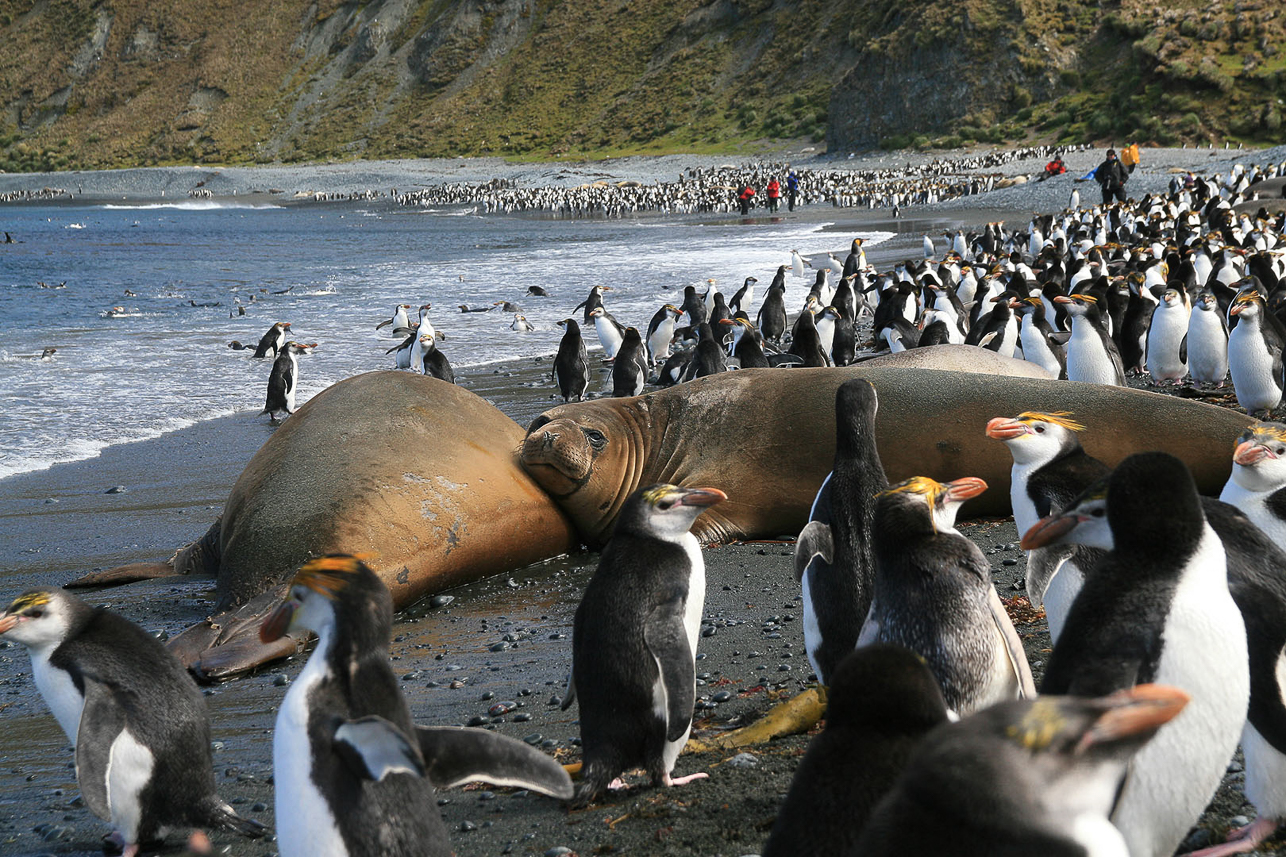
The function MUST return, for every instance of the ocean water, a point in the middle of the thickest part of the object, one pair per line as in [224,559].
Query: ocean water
[333,271]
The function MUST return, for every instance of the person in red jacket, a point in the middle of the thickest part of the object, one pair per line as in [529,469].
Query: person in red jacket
[1055,167]
[746,197]
[774,194]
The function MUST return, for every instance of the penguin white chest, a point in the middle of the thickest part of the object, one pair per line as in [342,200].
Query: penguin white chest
[1087,358]
[305,821]
[692,625]
[1254,505]
[129,769]
[1252,369]
[59,691]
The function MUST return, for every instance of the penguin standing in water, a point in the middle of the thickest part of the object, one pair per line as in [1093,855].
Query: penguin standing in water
[1207,341]
[1157,608]
[881,702]
[272,341]
[744,296]
[592,302]
[934,595]
[634,640]
[433,361]
[282,383]
[1255,355]
[133,714]
[1050,471]
[1021,778]
[571,365]
[629,370]
[399,319]
[353,775]
[660,333]
[834,563]
[693,307]
[1092,356]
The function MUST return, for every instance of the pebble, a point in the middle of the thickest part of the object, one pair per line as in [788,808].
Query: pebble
[441,600]
[744,760]
[722,696]
[1238,821]
[521,717]
[467,826]
[1009,561]
[534,738]
[116,489]
[280,680]
[477,720]
[501,708]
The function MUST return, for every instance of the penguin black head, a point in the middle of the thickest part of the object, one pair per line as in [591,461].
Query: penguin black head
[42,618]
[665,511]
[941,500]
[335,595]
[1259,459]
[885,686]
[1035,436]
[856,404]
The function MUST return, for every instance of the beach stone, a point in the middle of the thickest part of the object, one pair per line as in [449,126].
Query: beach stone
[744,760]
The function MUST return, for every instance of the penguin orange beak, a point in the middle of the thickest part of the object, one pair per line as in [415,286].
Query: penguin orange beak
[275,626]
[1144,708]
[963,489]
[1236,309]
[1248,452]
[701,497]
[1063,299]
[7,623]
[1004,428]
[1046,531]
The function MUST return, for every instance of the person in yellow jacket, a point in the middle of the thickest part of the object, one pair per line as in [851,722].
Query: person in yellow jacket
[1130,156]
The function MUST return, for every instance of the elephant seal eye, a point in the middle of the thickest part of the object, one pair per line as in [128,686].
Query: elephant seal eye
[595,437]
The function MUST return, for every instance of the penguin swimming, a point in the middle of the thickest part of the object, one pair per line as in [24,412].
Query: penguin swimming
[834,563]
[273,340]
[399,318]
[1021,778]
[933,594]
[520,323]
[1157,608]
[634,640]
[880,704]
[353,774]
[629,370]
[571,365]
[282,382]
[136,719]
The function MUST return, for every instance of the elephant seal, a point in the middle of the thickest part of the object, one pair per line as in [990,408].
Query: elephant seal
[957,358]
[419,474]
[766,438]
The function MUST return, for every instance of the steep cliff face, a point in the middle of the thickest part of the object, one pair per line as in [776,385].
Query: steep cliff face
[96,83]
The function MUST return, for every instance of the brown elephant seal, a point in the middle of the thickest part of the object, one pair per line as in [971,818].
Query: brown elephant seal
[766,438]
[958,358]
[419,475]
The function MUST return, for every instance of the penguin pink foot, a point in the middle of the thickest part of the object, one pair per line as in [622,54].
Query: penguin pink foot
[618,785]
[668,781]
[1242,839]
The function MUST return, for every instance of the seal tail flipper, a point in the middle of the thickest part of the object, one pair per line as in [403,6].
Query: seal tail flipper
[122,574]
[200,556]
[227,644]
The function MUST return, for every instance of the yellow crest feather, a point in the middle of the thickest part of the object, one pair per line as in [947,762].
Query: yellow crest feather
[1058,418]
[329,575]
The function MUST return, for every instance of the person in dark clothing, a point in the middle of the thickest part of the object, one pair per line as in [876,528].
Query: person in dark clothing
[1111,177]
[746,197]
[792,190]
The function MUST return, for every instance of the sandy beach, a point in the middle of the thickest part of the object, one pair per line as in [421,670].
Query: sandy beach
[506,638]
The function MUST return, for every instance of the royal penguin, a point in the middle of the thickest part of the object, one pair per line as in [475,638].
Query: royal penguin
[1155,608]
[1037,339]
[520,324]
[273,341]
[610,332]
[748,347]
[660,333]
[1167,356]
[1092,356]
[592,302]
[806,343]
[571,364]
[282,382]
[1050,470]
[834,562]
[708,358]
[880,704]
[1255,355]
[433,362]
[629,370]
[131,711]
[634,640]
[1021,778]
[1257,485]
[353,775]
[744,296]
[693,306]
[398,319]
[934,595]
[1207,341]
[771,319]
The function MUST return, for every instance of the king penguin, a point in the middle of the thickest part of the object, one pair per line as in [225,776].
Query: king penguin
[1050,470]
[634,640]
[272,341]
[353,774]
[132,713]
[1021,778]
[571,365]
[282,383]
[629,370]
[934,595]
[834,563]
[1156,608]
[880,704]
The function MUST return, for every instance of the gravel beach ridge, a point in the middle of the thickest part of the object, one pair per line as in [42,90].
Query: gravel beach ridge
[504,639]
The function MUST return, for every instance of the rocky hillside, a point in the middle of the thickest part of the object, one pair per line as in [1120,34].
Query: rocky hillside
[100,83]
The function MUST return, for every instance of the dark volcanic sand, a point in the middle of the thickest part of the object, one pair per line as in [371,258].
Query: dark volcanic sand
[508,636]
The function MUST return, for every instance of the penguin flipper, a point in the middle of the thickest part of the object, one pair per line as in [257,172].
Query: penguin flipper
[373,748]
[1013,646]
[570,696]
[455,755]
[101,720]
[667,640]
[1183,349]
[1042,565]
[814,540]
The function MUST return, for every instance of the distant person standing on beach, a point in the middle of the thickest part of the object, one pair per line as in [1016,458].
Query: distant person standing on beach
[746,197]
[1111,177]
[774,194]
[792,190]
[1130,156]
